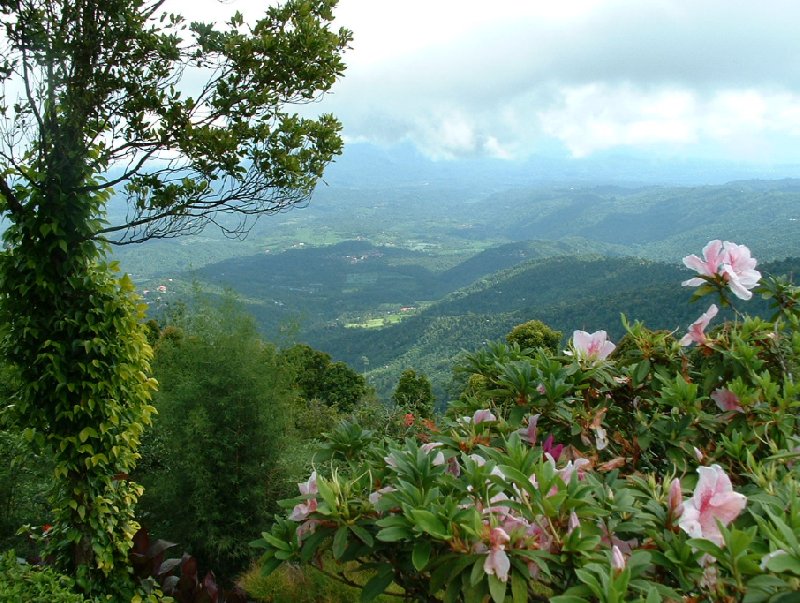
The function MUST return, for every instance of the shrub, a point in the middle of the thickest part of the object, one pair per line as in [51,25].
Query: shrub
[20,582]
[668,472]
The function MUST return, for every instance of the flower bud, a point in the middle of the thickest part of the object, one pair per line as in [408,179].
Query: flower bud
[675,498]
[617,559]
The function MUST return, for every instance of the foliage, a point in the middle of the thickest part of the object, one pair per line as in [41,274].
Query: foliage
[175,577]
[79,361]
[305,584]
[20,581]
[413,394]
[535,334]
[320,378]
[570,494]
[108,86]
[224,404]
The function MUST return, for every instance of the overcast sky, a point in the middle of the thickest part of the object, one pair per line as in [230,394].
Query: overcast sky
[510,78]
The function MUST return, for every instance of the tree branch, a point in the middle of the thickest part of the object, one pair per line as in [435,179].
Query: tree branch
[11,199]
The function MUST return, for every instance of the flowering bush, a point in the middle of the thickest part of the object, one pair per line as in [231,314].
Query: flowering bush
[659,469]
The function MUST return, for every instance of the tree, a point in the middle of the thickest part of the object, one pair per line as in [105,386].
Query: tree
[318,377]
[534,334]
[97,100]
[223,411]
[413,394]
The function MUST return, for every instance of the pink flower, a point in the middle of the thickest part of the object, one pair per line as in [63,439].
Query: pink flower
[162,289]
[573,523]
[307,488]
[617,559]
[728,261]
[483,416]
[428,448]
[591,346]
[726,400]
[529,433]
[713,258]
[714,500]
[739,271]
[695,333]
[310,486]
[302,510]
[497,562]
[554,450]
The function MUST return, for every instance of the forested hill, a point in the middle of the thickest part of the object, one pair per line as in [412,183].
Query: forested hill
[567,293]
[405,277]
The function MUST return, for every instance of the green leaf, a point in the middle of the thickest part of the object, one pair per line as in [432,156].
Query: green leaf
[568,599]
[377,584]
[394,534]
[428,522]
[421,554]
[363,535]
[784,563]
[270,566]
[497,588]
[519,587]
[340,542]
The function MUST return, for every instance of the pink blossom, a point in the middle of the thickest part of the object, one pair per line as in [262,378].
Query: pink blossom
[497,562]
[428,448]
[574,523]
[453,468]
[307,488]
[483,416]
[302,510]
[529,433]
[739,271]
[714,500]
[713,258]
[728,261]
[310,486]
[726,400]
[695,333]
[554,450]
[565,473]
[591,346]
[617,559]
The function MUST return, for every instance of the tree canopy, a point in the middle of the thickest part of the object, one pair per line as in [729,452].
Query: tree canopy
[186,121]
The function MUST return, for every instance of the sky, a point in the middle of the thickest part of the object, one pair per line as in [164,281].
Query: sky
[510,79]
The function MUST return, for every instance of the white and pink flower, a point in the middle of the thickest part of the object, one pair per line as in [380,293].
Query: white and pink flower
[497,562]
[714,500]
[591,347]
[696,332]
[726,260]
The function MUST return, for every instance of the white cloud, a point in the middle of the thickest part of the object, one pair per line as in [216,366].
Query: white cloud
[509,77]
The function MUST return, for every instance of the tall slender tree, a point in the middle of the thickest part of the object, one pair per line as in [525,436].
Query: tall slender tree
[189,124]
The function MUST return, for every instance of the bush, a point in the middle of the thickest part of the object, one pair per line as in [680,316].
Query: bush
[20,582]
[668,472]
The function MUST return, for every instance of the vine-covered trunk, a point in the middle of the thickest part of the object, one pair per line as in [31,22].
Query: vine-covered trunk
[81,362]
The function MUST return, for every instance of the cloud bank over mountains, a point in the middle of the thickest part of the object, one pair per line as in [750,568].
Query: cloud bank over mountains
[716,79]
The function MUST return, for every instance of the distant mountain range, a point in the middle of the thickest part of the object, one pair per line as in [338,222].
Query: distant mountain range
[407,276]
[365,165]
